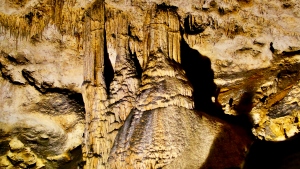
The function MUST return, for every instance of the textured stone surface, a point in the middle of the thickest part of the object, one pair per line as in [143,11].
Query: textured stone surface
[89,66]
[162,129]
[20,157]
[40,86]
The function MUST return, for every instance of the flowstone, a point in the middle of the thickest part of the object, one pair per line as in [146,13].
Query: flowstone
[145,83]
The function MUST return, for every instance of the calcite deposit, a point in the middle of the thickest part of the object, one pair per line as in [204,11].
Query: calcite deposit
[146,83]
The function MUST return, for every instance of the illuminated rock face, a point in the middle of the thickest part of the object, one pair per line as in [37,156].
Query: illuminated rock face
[164,130]
[128,81]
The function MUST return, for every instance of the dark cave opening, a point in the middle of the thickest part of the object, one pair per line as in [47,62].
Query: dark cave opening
[108,68]
[200,74]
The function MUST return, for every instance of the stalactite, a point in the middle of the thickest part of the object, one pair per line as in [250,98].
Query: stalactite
[163,29]
[94,89]
[148,142]
[125,83]
[108,112]
[63,14]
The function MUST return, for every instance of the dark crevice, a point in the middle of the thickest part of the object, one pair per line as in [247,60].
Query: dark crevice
[205,9]
[133,55]
[285,135]
[134,37]
[11,59]
[221,11]
[77,159]
[264,99]
[137,65]
[230,102]
[8,77]
[290,53]
[271,47]
[200,74]
[5,73]
[77,97]
[29,17]
[4,144]
[27,75]
[108,68]
[72,95]
[296,120]
[286,5]
[192,28]
[19,59]
[258,43]
[165,7]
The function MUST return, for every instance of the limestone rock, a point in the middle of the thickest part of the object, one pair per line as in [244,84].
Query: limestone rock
[136,76]
[250,44]
[41,102]
[20,157]
[24,158]
[107,101]
[16,145]
[163,130]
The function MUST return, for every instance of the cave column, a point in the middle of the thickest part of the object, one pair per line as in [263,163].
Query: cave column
[94,88]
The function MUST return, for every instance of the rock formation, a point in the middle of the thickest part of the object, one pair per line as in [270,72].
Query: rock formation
[163,130]
[145,83]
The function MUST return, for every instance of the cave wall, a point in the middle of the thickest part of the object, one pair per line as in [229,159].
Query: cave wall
[73,72]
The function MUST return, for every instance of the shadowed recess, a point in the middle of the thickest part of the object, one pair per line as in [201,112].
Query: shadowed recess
[275,155]
[226,150]
[108,68]
[165,7]
[245,103]
[199,72]
[137,65]
[76,156]
[193,28]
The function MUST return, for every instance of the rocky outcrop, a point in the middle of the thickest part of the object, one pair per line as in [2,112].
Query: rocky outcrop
[40,86]
[163,88]
[20,157]
[137,76]
[163,130]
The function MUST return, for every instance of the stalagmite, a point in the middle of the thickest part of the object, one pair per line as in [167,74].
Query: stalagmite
[107,111]
[146,69]
[94,88]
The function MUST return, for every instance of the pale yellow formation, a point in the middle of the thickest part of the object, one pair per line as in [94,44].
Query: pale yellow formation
[272,124]
[162,32]
[137,92]
[163,130]
[106,112]
[34,17]
[95,145]
[23,156]
[152,132]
